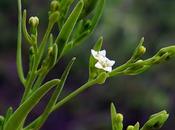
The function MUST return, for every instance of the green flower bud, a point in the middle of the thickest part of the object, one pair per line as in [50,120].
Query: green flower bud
[50,50]
[34,21]
[51,58]
[130,127]
[116,118]
[53,18]
[141,50]
[119,117]
[54,5]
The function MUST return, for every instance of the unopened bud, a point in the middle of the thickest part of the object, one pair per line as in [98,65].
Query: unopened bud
[130,127]
[139,61]
[34,21]
[50,50]
[119,117]
[54,6]
[141,50]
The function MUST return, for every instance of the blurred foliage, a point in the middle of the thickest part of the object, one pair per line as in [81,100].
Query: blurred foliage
[124,22]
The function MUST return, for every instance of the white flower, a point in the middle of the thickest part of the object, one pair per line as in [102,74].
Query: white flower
[98,54]
[103,62]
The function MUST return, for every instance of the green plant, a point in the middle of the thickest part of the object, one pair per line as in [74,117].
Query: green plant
[45,54]
[154,122]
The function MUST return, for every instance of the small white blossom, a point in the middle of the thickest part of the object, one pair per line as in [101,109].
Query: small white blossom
[98,54]
[103,62]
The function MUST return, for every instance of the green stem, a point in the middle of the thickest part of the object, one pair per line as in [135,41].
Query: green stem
[29,83]
[73,94]
[19,45]
[63,101]
[39,81]
[44,41]
[33,75]
[119,69]
[23,110]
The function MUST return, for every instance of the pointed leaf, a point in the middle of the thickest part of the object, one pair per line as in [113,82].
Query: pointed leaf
[89,6]
[8,113]
[68,27]
[137,126]
[92,61]
[64,9]
[54,97]
[116,118]
[21,113]
[156,121]
[98,13]
[139,51]
[19,45]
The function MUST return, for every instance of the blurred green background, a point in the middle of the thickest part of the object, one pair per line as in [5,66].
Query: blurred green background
[123,24]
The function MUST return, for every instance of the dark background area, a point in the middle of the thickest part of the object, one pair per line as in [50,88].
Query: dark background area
[123,24]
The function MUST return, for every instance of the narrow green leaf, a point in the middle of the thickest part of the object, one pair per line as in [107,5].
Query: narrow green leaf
[8,113]
[75,42]
[139,51]
[54,97]
[64,9]
[137,126]
[92,61]
[1,122]
[156,121]
[89,6]
[83,31]
[98,13]
[23,110]
[116,118]
[68,27]
[19,45]
[78,29]
[52,20]
[81,38]
[135,70]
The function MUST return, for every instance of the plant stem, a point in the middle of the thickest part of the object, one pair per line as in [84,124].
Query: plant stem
[19,46]
[63,101]
[74,94]
[33,75]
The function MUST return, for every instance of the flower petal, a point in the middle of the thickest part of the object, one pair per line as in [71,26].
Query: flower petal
[93,52]
[111,62]
[102,53]
[108,69]
[98,65]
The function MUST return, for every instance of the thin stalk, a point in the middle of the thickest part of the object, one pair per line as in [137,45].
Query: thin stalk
[39,81]
[33,75]
[63,102]
[19,45]
[73,94]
